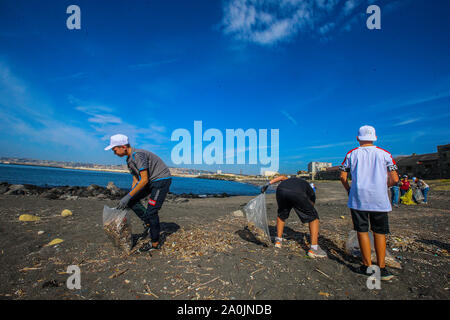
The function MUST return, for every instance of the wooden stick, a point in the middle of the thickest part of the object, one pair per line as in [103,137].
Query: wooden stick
[118,273]
[323,273]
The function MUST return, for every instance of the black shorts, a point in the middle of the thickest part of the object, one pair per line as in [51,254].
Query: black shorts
[288,199]
[378,221]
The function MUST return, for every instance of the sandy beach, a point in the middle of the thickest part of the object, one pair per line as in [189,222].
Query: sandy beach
[208,253]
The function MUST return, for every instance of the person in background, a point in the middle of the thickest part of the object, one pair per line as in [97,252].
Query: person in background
[297,193]
[373,170]
[404,185]
[151,177]
[423,187]
[395,189]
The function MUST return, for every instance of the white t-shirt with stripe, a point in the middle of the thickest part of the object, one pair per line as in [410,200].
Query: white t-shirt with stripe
[369,168]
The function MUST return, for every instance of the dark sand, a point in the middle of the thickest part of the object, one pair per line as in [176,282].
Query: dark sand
[229,264]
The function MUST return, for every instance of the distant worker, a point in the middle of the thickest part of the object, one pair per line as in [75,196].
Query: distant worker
[423,187]
[297,193]
[373,170]
[395,190]
[151,177]
[404,185]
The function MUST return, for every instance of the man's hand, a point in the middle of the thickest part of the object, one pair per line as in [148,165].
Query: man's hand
[124,202]
[264,187]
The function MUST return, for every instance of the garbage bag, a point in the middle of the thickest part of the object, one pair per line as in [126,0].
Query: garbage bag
[352,247]
[256,214]
[116,224]
[407,198]
[418,195]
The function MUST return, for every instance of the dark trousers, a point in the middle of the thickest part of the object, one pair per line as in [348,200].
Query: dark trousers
[157,191]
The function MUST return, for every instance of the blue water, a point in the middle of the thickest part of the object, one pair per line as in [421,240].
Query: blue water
[45,176]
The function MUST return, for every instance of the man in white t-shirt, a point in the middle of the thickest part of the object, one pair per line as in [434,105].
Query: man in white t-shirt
[373,171]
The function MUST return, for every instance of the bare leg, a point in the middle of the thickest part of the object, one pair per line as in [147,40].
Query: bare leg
[380,248]
[364,245]
[314,231]
[280,227]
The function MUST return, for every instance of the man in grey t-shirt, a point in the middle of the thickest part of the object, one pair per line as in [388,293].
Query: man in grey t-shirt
[151,177]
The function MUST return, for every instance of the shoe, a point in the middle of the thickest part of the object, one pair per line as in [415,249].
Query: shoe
[278,242]
[363,269]
[318,253]
[148,247]
[385,274]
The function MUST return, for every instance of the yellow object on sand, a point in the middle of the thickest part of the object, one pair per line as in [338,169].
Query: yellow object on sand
[66,213]
[54,241]
[29,217]
[407,198]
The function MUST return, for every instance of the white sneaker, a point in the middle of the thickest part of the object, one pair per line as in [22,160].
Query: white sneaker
[278,242]
[318,253]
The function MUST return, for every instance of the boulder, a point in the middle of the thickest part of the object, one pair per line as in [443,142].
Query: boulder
[66,213]
[113,189]
[16,189]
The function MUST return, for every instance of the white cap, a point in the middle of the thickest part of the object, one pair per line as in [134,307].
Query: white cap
[367,133]
[117,140]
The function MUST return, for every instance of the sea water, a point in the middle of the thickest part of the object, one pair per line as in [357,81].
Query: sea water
[47,176]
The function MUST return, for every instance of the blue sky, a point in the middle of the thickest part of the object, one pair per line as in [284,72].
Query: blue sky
[311,69]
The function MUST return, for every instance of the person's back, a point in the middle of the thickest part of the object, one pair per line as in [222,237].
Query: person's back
[143,159]
[300,186]
[368,168]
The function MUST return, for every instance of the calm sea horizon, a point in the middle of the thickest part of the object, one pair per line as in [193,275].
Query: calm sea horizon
[53,177]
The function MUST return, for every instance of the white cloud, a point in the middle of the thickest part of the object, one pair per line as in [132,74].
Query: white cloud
[268,22]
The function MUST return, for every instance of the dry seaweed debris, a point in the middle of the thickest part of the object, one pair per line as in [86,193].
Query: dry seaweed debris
[119,232]
[218,236]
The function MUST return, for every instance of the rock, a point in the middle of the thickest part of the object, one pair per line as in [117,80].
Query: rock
[66,213]
[16,189]
[238,213]
[4,187]
[53,242]
[28,217]
[113,189]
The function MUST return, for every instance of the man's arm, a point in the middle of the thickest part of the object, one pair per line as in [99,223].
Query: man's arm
[135,181]
[277,179]
[141,184]
[392,178]
[344,180]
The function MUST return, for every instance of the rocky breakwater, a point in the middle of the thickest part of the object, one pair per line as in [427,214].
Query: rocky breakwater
[111,191]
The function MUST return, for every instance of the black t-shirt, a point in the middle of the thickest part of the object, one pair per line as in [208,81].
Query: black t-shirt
[299,186]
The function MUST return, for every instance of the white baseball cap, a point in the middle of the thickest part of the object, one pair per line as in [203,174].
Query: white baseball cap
[117,140]
[367,133]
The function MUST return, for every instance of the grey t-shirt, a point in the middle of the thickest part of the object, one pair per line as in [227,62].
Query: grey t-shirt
[142,159]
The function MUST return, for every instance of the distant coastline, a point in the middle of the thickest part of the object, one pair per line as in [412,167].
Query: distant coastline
[226,177]
[62,167]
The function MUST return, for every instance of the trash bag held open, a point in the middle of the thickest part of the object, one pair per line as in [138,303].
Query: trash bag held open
[256,214]
[352,247]
[116,224]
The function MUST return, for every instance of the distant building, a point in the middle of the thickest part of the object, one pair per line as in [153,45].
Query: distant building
[330,173]
[427,166]
[318,166]
[219,171]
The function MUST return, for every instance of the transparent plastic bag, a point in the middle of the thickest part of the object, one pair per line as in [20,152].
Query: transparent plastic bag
[352,247]
[418,195]
[116,224]
[256,214]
